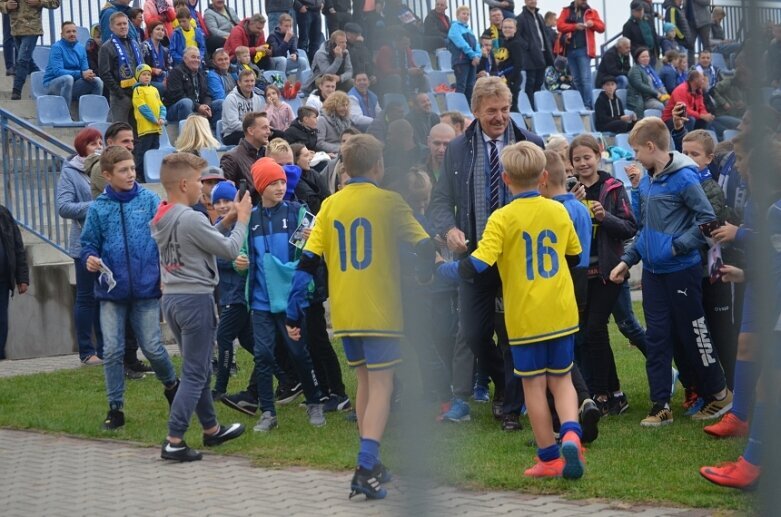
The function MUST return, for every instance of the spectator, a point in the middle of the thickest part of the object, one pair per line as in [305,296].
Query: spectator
[199,21]
[438,139]
[673,70]
[668,42]
[700,22]
[93,47]
[325,89]
[537,53]
[73,201]
[276,8]
[241,101]
[375,23]
[159,11]
[244,62]
[646,90]
[487,65]
[220,20]
[312,188]
[310,26]
[609,111]
[67,72]
[396,68]
[558,77]
[577,25]
[510,57]
[436,26]
[221,80]
[730,95]
[334,120]
[719,41]
[399,14]
[616,63]
[550,27]
[674,15]
[690,93]
[237,162]
[641,32]
[421,118]
[379,128]
[195,136]
[334,173]
[249,33]
[494,29]
[118,58]
[157,56]
[284,47]
[280,114]
[360,56]
[303,130]
[187,91]
[401,153]
[136,17]
[463,46]
[506,7]
[15,270]
[455,120]
[149,113]
[367,100]
[108,10]
[706,68]
[337,13]
[9,48]
[186,35]
[332,58]
[25,25]
[118,133]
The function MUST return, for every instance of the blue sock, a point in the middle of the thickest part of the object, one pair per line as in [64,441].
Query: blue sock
[753,451]
[744,385]
[369,453]
[571,426]
[548,453]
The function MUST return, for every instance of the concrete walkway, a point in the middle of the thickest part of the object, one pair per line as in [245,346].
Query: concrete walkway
[51,475]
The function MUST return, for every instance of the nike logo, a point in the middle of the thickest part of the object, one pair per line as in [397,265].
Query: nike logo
[683,292]
[169,448]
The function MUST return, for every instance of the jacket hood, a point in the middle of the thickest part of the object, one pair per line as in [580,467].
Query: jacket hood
[90,161]
[678,162]
[163,222]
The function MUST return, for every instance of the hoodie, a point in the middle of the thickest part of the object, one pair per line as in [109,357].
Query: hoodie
[189,246]
[607,110]
[462,43]
[672,205]
[236,106]
[73,200]
[66,58]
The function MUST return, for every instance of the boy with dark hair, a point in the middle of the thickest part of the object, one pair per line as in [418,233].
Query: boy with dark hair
[303,130]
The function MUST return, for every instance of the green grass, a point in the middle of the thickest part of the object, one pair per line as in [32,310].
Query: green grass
[627,462]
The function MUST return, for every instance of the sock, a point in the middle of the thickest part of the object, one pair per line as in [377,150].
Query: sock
[548,453]
[753,451]
[571,426]
[745,383]
[368,453]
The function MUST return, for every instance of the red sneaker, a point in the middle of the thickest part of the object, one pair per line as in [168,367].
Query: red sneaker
[574,462]
[691,398]
[296,89]
[545,469]
[728,427]
[734,474]
[444,407]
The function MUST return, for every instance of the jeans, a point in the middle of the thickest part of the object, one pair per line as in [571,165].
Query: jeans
[466,75]
[69,88]
[310,35]
[192,321]
[723,122]
[24,60]
[286,65]
[580,64]
[144,316]
[626,321]
[5,295]
[534,80]
[622,82]
[9,48]
[145,143]
[181,109]
[234,323]
[216,112]
[120,108]
[86,313]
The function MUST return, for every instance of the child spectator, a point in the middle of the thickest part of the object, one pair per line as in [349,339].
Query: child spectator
[188,34]
[303,130]
[558,77]
[550,27]
[542,349]
[669,42]
[609,110]
[116,238]
[244,62]
[464,47]
[149,111]
[673,70]
[669,244]
[14,270]
[280,114]
[676,17]
[93,47]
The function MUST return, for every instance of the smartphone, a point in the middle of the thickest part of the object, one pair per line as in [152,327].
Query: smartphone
[680,110]
[707,228]
[571,182]
[242,189]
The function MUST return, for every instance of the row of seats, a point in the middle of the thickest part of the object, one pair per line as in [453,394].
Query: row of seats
[53,110]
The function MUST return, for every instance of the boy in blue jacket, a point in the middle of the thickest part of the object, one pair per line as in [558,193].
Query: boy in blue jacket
[464,47]
[672,207]
[116,237]
[186,35]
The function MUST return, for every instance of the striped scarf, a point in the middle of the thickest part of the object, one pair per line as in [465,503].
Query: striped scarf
[481,180]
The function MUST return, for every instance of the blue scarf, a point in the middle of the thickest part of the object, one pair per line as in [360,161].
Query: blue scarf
[158,59]
[367,106]
[704,174]
[125,70]
[123,196]
[654,77]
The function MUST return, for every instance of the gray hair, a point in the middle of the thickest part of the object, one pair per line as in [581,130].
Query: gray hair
[190,50]
[623,41]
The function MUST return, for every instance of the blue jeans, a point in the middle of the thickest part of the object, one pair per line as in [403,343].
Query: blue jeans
[580,64]
[465,79]
[310,35]
[723,122]
[9,49]
[216,106]
[144,316]
[625,319]
[24,59]
[266,328]
[70,88]
[86,313]
[622,82]
[181,109]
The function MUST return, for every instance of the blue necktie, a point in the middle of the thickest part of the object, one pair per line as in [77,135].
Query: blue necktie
[495,178]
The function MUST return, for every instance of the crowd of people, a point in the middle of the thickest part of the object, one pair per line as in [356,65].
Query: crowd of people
[500,257]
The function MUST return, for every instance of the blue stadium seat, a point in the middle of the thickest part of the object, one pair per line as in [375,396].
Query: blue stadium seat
[622,141]
[713,135]
[524,105]
[595,94]
[436,77]
[41,56]
[303,76]
[165,140]
[93,108]
[574,102]
[729,134]
[269,75]
[210,155]
[36,85]
[593,78]
[434,103]
[100,126]
[718,61]
[455,101]
[218,132]
[444,60]
[572,124]
[422,58]
[82,35]
[395,97]
[544,124]
[181,126]
[295,104]
[621,94]
[619,172]
[652,113]
[53,111]
[545,102]
[152,161]
[518,119]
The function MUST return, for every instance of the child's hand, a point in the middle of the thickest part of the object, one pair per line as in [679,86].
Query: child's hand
[579,191]
[241,263]
[93,264]
[732,274]
[22,288]
[160,122]
[598,210]
[306,232]
[293,333]
[724,233]
[618,275]
[634,173]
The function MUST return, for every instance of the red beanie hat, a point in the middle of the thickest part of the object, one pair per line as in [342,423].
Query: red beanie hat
[266,171]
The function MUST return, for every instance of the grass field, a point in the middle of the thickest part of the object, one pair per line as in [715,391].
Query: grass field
[626,463]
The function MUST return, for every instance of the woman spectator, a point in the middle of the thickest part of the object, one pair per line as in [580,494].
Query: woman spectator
[220,20]
[333,121]
[577,26]
[196,135]
[157,56]
[160,11]
[280,114]
[465,49]
[646,90]
[74,198]
[673,70]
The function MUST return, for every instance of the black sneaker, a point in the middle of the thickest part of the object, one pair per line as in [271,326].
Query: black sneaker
[114,420]
[617,405]
[287,394]
[511,422]
[133,375]
[602,405]
[139,366]
[243,401]
[179,452]
[223,434]
[589,415]
[336,403]
[170,393]
[496,407]
[384,475]
[367,482]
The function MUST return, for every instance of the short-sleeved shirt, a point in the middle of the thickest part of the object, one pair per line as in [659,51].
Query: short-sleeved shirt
[357,232]
[529,239]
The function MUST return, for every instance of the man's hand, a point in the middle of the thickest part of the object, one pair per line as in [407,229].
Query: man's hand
[88,75]
[293,57]
[332,10]
[618,275]
[634,173]
[732,274]
[580,26]
[34,3]
[724,233]
[241,263]
[303,9]
[456,240]
[22,288]
[205,110]
[293,333]
[338,51]
[598,210]
[708,117]
[93,264]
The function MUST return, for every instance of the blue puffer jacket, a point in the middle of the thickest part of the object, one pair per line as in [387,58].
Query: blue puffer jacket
[232,284]
[73,200]
[66,59]
[118,232]
[672,205]
[462,43]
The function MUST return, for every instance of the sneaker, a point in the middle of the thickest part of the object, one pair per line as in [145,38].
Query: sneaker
[511,422]
[589,415]
[170,393]
[287,394]
[545,469]
[10,72]
[336,403]
[714,408]
[133,375]
[459,412]
[496,407]
[92,360]
[659,416]
[179,452]
[316,416]
[603,405]
[139,366]
[728,427]
[243,401]
[444,408]
[675,382]
[481,394]
[223,434]
[114,420]
[617,405]
[367,482]
[694,406]
[735,474]
[573,456]
[266,423]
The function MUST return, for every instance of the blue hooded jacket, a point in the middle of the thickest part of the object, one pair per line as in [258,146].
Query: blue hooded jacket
[178,44]
[462,43]
[66,59]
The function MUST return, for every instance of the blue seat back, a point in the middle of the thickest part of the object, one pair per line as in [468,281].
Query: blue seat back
[152,161]
[652,113]
[82,35]
[422,58]
[100,126]
[165,140]
[211,157]
[729,134]
[304,75]
[294,104]
[36,85]
[621,94]
[444,60]
[218,132]
[455,101]
[434,103]
[545,102]
[41,56]
[622,141]
[713,135]
[93,108]
[718,61]
[524,104]
[619,172]
[571,123]
[437,77]
[518,119]
[573,101]
[544,124]
[53,110]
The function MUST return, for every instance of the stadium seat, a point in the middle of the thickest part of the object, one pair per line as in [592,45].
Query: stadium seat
[295,104]
[269,75]
[434,103]
[436,77]
[544,124]
[304,75]
[422,59]
[100,126]
[574,102]
[218,132]
[36,85]
[594,78]
[53,111]
[455,101]
[524,105]
[181,126]
[93,108]
[518,119]
[713,135]
[718,61]
[152,161]
[595,94]
[41,56]
[545,102]
[444,60]
[652,113]
[729,134]
[621,94]
[572,124]
[211,157]
[82,35]
[622,141]
[620,174]
[395,97]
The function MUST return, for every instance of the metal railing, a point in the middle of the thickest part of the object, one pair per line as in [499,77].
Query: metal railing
[32,161]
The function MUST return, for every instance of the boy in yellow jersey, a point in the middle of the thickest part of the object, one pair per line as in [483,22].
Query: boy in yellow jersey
[532,239]
[150,113]
[357,232]
[186,35]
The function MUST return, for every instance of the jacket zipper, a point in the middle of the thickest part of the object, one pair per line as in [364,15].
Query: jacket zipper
[127,250]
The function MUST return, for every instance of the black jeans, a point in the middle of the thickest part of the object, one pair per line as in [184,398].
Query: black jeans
[534,79]
[235,322]
[723,324]
[596,353]
[513,386]
[324,359]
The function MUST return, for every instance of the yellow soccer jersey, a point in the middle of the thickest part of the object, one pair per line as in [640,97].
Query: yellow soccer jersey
[529,239]
[357,233]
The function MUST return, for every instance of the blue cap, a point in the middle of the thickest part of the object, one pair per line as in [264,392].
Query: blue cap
[224,190]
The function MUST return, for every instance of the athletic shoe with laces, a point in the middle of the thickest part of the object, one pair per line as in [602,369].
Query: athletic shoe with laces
[179,452]
[139,366]
[602,404]
[266,423]
[244,401]
[572,452]
[695,406]
[384,474]
[589,416]
[728,427]
[114,420]
[287,394]
[545,469]
[223,434]
[133,375]
[316,415]
[367,482]
[459,412]
[734,474]
[336,403]
[714,408]
[617,405]
[481,394]
[511,422]
[690,400]
[170,393]
[660,415]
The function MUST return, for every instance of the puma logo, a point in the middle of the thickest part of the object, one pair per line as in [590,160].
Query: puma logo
[683,292]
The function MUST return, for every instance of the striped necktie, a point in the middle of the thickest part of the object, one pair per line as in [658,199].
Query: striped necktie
[495,178]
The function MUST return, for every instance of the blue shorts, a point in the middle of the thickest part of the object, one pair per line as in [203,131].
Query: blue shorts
[377,353]
[748,317]
[551,357]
